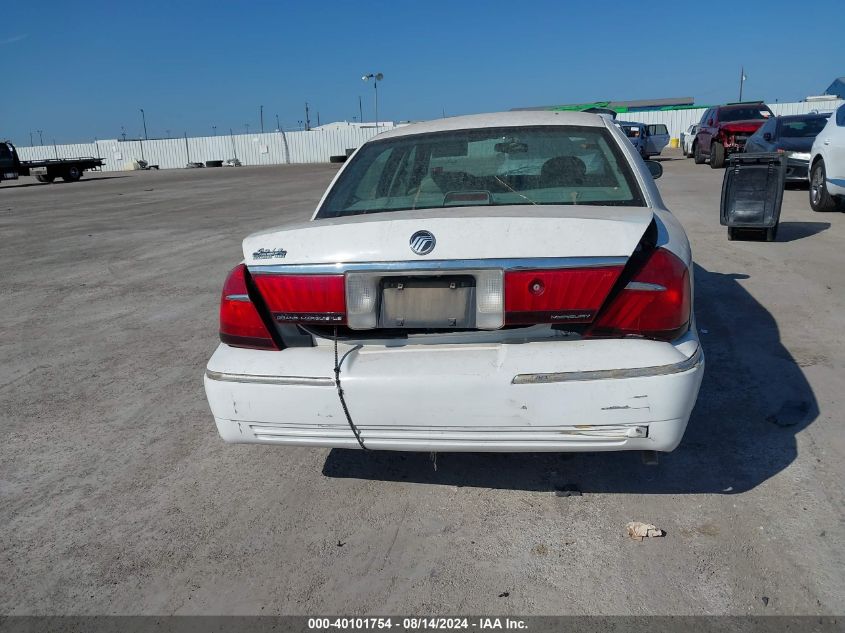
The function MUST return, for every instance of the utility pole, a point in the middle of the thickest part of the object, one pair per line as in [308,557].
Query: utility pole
[360,110]
[187,151]
[307,120]
[278,127]
[40,137]
[30,138]
[214,127]
[742,79]
[261,116]
[144,119]
[122,133]
[232,136]
[318,118]
[168,133]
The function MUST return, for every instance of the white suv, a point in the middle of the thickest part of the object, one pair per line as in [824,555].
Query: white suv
[827,165]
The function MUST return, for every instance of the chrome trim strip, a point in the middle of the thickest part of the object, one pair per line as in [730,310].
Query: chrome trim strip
[303,381]
[612,374]
[435,265]
[237,297]
[644,285]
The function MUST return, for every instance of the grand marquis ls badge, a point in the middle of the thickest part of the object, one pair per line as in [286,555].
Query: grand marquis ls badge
[422,242]
[266,253]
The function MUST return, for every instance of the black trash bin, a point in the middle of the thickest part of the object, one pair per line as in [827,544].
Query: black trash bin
[752,194]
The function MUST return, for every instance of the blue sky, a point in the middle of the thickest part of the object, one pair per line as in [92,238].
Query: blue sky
[83,69]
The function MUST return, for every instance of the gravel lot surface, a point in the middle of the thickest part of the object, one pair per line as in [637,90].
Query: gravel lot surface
[117,496]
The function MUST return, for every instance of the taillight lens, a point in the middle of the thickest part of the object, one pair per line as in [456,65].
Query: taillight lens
[655,304]
[315,299]
[240,323]
[557,296]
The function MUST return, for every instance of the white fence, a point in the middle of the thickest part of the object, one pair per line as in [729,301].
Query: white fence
[313,146]
[679,120]
[270,148]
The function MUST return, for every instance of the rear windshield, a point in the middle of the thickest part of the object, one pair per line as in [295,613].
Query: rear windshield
[726,115]
[492,166]
[802,128]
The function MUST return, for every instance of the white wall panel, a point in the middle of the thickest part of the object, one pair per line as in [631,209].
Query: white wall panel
[270,148]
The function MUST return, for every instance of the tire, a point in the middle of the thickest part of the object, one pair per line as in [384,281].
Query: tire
[717,156]
[820,199]
[46,178]
[731,234]
[697,155]
[72,174]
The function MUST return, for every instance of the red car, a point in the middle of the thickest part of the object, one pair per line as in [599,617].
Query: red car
[723,130]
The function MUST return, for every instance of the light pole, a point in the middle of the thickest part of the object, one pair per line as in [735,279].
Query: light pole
[278,127]
[168,133]
[376,77]
[123,133]
[261,117]
[40,137]
[144,119]
[214,127]
[232,136]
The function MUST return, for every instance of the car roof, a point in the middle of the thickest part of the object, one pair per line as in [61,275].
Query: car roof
[497,119]
[809,115]
[742,104]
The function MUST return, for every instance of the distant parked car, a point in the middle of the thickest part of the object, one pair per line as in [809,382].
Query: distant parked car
[648,139]
[723,130]
[791,135]
[636,133]
[657,137]
[827,165]
[687,139]
[232,162]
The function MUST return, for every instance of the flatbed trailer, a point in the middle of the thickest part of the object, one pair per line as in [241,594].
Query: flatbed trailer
[47,170]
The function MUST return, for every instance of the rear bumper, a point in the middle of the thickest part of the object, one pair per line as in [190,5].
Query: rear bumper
[796,170]
[598,395]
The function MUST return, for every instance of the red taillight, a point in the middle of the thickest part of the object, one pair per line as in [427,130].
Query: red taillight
[240,323]
[655,303]
[316,299]
[571,295]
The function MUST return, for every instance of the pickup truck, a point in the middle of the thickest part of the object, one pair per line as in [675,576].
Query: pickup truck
[68,169]
[724,129]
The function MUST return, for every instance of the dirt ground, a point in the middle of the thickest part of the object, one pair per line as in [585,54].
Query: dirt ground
[117,496]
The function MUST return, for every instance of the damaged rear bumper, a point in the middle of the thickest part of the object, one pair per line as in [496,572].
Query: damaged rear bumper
[596,395]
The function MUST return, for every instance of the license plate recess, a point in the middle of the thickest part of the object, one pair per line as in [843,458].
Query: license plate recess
[428,302]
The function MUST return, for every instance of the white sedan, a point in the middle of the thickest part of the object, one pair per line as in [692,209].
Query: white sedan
[686,140]
[496,282]
[827,165]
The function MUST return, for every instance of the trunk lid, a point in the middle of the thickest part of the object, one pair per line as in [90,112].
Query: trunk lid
[460,233]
